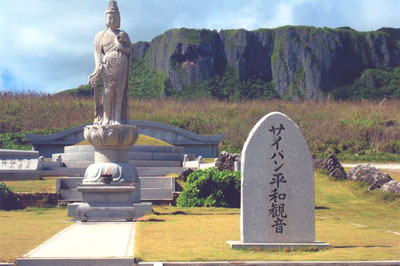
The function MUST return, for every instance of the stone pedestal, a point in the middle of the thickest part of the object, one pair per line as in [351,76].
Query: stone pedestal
[111,144]
[106,202]
[119,198]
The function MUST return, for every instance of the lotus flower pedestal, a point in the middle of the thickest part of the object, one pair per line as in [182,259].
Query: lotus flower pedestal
[111,185]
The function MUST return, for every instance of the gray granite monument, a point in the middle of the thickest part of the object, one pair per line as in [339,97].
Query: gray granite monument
[111,185]
[20,165]
[277,194]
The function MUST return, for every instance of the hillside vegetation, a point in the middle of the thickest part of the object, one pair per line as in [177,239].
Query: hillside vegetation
[289,62]
[361,130]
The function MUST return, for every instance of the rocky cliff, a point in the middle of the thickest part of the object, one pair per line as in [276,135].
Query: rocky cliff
[300,61]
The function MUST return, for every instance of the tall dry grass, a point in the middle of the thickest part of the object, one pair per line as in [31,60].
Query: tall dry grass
[363,128]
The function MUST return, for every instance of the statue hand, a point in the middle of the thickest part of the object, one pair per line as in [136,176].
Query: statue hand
[93,79]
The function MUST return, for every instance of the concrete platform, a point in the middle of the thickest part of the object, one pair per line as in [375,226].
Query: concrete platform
[105,243]
[80,172]
[239,244]
[140,209]
[275,263]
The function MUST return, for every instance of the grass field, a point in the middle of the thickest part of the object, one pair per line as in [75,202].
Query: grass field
[46,185]
[358,224]
[358,131]
[23,230]
[394,173]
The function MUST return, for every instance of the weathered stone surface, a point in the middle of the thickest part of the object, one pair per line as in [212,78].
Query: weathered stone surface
[112,51]
[186,57]
[277,198]
[226,161]
[334,168]
[111,136]
[111,144]
[300,61]
[16,160]
[391,186]
[369,175]
[106,202]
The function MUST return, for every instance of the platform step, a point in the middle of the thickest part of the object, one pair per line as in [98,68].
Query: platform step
[148,194]
[137,163]
[70,194]
[68,182]
[157,182]
[135,148]
[158,171]
[152,188]
[89,156]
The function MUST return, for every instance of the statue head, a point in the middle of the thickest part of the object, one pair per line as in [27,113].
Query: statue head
[113,19]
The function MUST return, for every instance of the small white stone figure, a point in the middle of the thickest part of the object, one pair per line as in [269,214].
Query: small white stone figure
[112,57]
[59,161]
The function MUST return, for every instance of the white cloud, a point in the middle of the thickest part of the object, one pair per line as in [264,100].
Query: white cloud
[376,14]
[48,44]
[284,15]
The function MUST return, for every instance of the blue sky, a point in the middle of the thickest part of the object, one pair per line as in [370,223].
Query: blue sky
[47,45]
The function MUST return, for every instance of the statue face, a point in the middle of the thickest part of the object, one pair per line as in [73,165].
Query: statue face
[112,20]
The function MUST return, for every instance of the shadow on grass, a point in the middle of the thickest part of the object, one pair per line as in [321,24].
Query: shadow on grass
[150,220]
[173,213]
[372,246]
[321,208]
[184,213]
[213,213]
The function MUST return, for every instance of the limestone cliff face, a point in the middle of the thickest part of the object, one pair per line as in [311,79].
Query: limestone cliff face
[300,61]
[187,56]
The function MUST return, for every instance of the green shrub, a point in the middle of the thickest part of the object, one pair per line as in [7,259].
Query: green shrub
[8,200]
[211,188]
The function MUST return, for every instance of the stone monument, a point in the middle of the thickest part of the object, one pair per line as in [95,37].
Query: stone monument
[111,185]
[277,193]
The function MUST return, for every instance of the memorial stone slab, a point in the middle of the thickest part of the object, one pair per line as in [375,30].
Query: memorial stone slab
[19,160]
[277,193]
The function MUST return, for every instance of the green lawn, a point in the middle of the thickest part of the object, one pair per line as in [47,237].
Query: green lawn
[355,222]
[23,230]
[46,185]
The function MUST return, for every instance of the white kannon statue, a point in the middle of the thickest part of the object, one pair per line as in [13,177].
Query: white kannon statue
[112,57]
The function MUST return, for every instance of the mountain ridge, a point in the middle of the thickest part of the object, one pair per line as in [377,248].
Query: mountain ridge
[299,60]
[289,62]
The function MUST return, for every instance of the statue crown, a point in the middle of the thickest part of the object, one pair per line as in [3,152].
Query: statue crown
[112,6]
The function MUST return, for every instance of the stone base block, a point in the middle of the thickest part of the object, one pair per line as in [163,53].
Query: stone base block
[239,244]
[72,207]
[85,212]
[142,208]
[19,175]
[102,202]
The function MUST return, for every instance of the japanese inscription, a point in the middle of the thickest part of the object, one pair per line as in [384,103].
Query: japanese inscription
[278,180]
[277,184]
[15,164]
